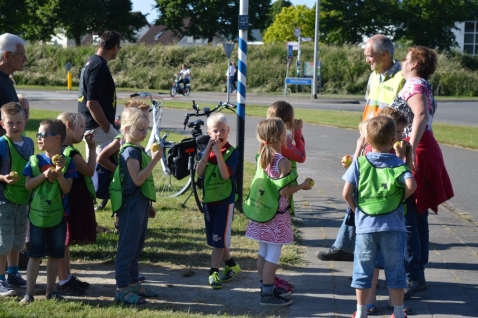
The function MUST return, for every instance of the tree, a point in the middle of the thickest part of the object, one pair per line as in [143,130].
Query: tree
[275,9]
[290,18]
[430,22]
[209,18]
[11,16]
[349,21]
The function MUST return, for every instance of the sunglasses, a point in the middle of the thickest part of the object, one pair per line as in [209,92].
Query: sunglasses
[45,134]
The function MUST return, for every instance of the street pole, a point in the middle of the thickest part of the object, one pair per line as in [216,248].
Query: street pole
[316,50]
[241,97]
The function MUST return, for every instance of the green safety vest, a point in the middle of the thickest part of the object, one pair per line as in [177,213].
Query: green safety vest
[379,190]
[215,187]
[116,185]
[46,209]
[262,203]
[17,193]
[382,94]
[88,180]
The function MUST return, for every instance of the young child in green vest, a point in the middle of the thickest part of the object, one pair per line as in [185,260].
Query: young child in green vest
[218,167]
[268,207]
[381,182]
[14,198]
[294,150]
[81,221]
[50,176]
[131,193]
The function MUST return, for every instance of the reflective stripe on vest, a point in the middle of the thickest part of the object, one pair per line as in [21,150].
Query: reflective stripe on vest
[88,180]
[382,94]
[17,193]
[379,190]
[215,187]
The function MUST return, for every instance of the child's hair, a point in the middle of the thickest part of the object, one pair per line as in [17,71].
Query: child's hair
[55,126]
[12,109]
[137,103]
[132,118]
[363,127]
[21,98]
[381,130]
[269,131]
[396,115]
[74,119]
[216,118]
[282,110]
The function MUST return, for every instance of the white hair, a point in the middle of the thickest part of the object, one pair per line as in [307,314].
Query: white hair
[8,42]
[215,118]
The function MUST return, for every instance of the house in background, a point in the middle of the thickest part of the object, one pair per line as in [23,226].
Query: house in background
[467,37]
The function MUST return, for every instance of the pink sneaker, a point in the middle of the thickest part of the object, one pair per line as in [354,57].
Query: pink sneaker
[279,283]
[282,281]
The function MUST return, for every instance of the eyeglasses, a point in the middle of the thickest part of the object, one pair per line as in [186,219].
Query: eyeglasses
[21,54]
[45,134]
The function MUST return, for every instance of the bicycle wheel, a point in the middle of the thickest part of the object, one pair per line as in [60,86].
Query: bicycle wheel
[186,91]
[173,91]
[166,185]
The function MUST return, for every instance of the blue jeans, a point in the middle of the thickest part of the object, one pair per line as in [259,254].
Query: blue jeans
[48,241]
[133,221]
[368,245]
[417,242]
[345,240]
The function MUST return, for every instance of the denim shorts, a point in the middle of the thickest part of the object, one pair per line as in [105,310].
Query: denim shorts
[13,226]
[47,241]
[367,246]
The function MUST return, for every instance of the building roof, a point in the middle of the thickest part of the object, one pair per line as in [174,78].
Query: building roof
[158,34]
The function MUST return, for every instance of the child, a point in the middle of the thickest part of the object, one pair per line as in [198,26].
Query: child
[272,165]
[81,222]
[26,106]
[14,198]
[50,176]
[218,167]
[293,149]
[381,183]
[131,193]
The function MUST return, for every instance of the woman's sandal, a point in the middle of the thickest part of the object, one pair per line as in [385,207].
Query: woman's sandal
[148,292]
[406,310]
[128,296]
[371,309]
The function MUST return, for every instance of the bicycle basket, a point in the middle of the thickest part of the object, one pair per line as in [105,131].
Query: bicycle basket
[178,157]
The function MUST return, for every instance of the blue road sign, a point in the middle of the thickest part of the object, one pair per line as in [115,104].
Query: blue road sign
[290,51]
[298,81]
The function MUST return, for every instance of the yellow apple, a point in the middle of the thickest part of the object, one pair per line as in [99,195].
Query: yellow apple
[13,175]
[347,160]
[55,159]
[154,147]
[311,182]
[397,145]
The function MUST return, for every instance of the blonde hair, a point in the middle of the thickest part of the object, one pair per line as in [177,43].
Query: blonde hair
[381,130]
[11,109]
[21,98]
[132,118]
[396,115]
[216,118]
[74,119]
[269,131]
[137,103]
[362,127]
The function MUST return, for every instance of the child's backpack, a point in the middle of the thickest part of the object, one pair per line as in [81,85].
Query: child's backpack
[178,157]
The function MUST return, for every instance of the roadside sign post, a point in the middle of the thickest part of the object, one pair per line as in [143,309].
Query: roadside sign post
[69,78]
[228,47]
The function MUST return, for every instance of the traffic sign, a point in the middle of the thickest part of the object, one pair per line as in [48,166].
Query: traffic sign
[243,22]
[290,49]
[298,81]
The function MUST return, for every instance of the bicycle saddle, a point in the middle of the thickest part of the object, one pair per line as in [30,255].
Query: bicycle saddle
[195,123]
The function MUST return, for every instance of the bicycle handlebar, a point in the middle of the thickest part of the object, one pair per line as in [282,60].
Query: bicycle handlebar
[206,111]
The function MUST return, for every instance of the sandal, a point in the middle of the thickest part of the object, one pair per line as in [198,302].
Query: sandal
[102,229]
[148,292]
[129,297]
[406,310]
[371,309]
[54,295]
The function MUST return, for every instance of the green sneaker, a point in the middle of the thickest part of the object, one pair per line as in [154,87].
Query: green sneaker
[229,273]
[214,281]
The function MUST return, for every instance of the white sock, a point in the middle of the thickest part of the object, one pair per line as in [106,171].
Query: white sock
[361,311]
[398,311]
[63,282]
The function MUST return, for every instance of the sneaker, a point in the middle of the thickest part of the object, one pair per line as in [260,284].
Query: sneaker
[70,289]
[282,281]
[79,283]
[282,292]
[215,281]
[393,316]
[273,299]
[5,290]
[335,255]
[16,280]
[414,286]
[229,273]
[27,299]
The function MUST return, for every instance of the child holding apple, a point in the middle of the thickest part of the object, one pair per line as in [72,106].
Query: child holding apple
[15,149]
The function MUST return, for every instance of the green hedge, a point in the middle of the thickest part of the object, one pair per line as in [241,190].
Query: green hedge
[344,70]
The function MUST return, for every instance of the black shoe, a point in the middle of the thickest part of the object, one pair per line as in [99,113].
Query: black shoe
[415,286]
[335,255]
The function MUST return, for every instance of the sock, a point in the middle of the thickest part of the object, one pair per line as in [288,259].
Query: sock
[12,270]
[212,270]
[2,277]
[398,311]
[63,282]
[361,311]
[230,262]
[267,288]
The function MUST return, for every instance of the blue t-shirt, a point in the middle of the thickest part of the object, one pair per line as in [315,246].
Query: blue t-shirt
[128,185]
[45,163]
[393,221]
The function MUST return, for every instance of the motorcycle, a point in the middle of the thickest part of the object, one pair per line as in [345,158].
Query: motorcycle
[177,88]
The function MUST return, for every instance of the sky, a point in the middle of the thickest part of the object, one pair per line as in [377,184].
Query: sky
[145,7]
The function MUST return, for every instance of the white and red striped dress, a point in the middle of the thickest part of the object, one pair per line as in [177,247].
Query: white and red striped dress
[279,229]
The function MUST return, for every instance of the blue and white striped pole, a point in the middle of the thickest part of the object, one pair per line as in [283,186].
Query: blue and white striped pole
[241,96]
